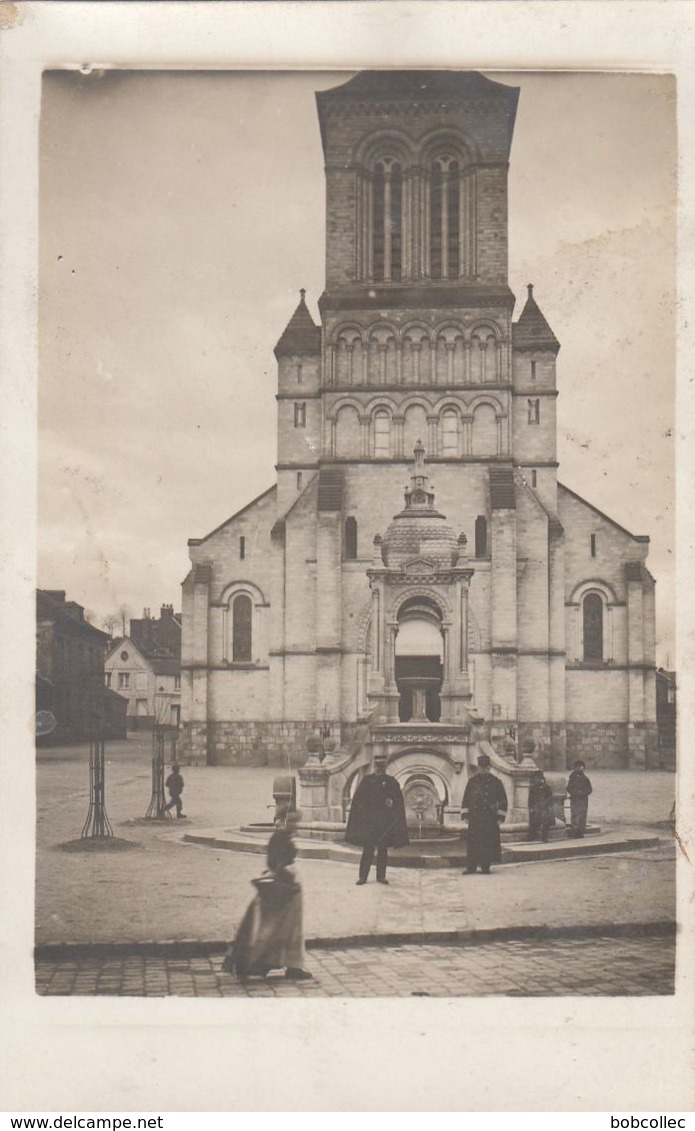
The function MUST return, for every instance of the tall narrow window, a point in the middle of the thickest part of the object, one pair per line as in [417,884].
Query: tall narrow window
[534,478]
[450,435]
[382,435]
[395,228]
[533,371]
[445,219]
[300,378]
[299,480]
[481,536]
[534,411]
[593,545]
[242,610]
[592,612]
[242,547]
[300,414]
[387,232]
[350,539]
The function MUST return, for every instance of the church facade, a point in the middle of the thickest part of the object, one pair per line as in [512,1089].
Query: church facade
[492,597]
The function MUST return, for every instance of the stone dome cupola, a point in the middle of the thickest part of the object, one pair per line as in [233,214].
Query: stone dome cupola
[419,531]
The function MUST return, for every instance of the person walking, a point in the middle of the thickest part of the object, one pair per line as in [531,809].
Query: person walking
[484,805]
[377,820]
[174,784]
[271,933]
[540,808]
[578,788]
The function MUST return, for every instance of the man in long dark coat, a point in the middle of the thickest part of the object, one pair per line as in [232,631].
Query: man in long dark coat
[485,806]
[540,808]
[578,788]
[377,820]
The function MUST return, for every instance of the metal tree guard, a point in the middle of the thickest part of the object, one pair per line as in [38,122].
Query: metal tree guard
[157,810]
[97,823]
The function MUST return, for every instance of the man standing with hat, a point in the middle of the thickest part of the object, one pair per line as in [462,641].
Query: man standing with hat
[377,820]
[485,806]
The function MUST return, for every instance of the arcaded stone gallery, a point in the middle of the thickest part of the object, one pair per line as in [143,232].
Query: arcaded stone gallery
[417,581]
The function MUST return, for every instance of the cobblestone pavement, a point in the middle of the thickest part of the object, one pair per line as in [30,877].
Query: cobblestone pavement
[602,966]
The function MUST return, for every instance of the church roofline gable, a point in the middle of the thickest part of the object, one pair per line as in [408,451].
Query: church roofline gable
[635,537]
[192,542]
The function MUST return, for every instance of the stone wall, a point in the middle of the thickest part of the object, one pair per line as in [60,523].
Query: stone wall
[600,745]
[247,743]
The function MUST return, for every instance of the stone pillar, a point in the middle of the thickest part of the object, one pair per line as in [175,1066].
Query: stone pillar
[328,612]
[504,617]
[556,645]
[196,660]
[277,622]
[484,354]
[450,346]
[500,436]
[382,363]
[417,346]
[376,631]
[467,422]
[364,436]
[330,366]
[467,362]
[350,349]
[398,427]
[432,424]
[635,659]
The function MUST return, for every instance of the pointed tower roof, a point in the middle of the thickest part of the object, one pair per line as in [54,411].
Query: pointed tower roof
[301,335]
[532,331]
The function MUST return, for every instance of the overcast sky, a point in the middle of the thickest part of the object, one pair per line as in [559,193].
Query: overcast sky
[180,215]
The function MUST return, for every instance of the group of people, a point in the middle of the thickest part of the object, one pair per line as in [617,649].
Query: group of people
[271,934]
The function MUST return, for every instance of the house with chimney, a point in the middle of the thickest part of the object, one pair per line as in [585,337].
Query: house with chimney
[145,668]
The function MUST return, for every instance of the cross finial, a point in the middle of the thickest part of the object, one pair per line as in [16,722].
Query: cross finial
[530,289]
[302,293]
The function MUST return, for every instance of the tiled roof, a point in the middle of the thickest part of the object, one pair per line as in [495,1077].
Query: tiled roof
[301,334]
[165,666]
[532,331]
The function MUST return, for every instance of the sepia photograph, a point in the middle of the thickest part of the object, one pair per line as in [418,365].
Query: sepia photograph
[346,621]
[356,521]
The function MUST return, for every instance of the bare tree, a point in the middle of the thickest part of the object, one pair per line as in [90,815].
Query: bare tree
[110,622]
[124,616]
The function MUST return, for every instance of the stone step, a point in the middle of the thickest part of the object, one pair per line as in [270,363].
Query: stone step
[451,854]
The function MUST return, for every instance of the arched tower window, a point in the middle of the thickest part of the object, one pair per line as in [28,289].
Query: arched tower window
[481,536]
[387,214]
[445,218]
[242,615]
[350,539]
[592,616]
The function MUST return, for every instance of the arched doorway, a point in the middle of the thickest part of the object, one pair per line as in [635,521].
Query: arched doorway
[418,667]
